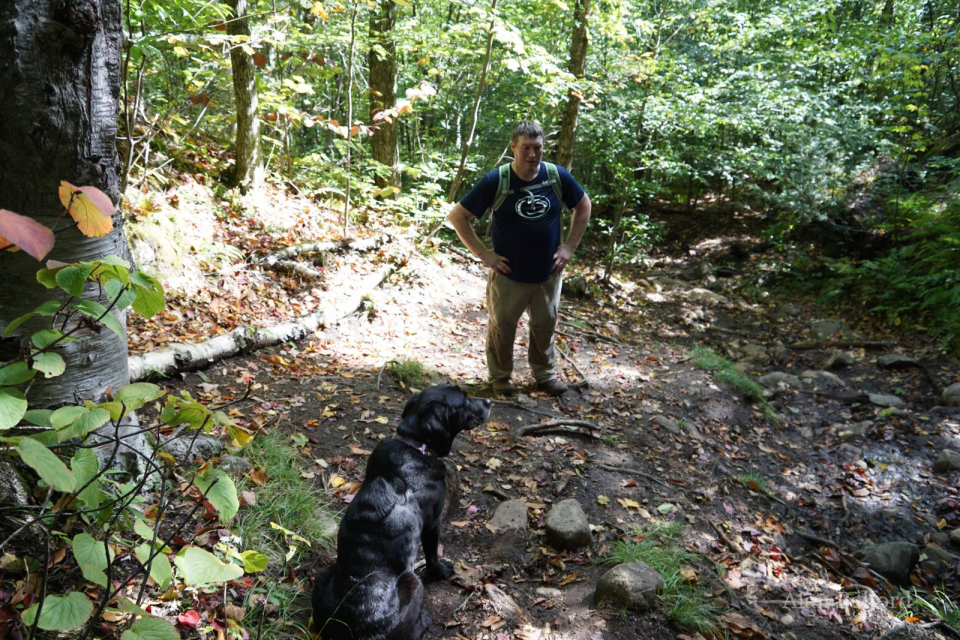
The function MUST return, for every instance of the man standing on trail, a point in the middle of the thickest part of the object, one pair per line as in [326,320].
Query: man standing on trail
[526,199]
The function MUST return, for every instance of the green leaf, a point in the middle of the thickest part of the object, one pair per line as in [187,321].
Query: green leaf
[119,294]
[38,417]
[136,395]
[99,313]
[254,561]
[92,558]
[666,508]
[87,423]
[150,297]
[71,279]
[222,495]
[48,277]
[151,629]
[160,569]
[115,409]
[45,338]
[13,406]
[50,364]
[85,467]
[61,613]
[65,416]
[114,261]
[16,373]
[185,410]
[198,566]
[47,465]
[143,529]
[126,605]
[16,322]
[48,308]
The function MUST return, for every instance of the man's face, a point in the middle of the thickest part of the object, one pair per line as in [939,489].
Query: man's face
[528,151]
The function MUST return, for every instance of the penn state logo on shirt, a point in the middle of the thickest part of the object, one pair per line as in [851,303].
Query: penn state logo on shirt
[533,206]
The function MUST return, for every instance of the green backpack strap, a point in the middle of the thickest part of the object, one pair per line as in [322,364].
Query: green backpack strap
[554,176]
[503,187]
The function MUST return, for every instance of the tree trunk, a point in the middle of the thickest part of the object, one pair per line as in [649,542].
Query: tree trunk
[58,121]
[382,60]
[578,62]
[249,170]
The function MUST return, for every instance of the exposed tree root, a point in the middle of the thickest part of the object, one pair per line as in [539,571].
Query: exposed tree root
[558,427]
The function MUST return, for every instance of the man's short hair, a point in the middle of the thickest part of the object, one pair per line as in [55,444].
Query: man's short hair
[527,128]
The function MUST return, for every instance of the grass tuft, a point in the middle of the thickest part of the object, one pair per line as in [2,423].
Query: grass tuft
[410,373]
[754,481]
[660,545]
[915,603]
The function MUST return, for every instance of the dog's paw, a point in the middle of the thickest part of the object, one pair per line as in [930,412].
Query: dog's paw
[442,570]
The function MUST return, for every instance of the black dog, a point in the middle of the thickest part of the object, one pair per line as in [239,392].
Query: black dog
[372,593]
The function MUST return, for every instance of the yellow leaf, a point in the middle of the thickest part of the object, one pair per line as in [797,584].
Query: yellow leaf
[336,481]
[604,500]
[90,208]
[241,438]
[382,420]
[627,503]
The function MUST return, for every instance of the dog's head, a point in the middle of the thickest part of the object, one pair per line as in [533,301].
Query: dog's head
[436,415]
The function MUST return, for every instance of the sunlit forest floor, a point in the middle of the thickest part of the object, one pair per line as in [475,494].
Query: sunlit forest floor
[768,490]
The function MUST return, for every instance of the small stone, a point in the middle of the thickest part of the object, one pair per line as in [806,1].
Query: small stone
[235,464]
[550,594]
[511,514]
[787,620]
[805,432]
[955,537]
[951,395]
[839,360]
[941,538]
[896,361]
[823,379]
[567,526]
[705,295]
[779,377]
[633,585]
[885,400]
[184,448]
[825,329]
[949,460]
[936,558]
[574,287]
[893,560]
[670,425]
[755,351]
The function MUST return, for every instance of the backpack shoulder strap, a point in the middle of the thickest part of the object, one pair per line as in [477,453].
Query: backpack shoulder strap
[554,177]
[503,187]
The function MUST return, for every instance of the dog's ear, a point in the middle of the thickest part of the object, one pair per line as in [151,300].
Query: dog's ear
[413,404]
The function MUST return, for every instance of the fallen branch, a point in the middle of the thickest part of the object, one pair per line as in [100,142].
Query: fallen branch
[514,403]
[573,362]
[846,398]
[298,268]
[295,251]
[557,426]
[594,334]
[636,472]
[382,369]
[188,357]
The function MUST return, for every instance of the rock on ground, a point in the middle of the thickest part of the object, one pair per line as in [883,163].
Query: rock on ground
[893,560]
[839,360]
[949,460]
[951,395]
[567,526]
[511,514]
[633,585]
[775,378]
[185,448]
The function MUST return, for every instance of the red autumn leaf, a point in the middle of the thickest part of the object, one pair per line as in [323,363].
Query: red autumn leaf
[189,618]
[260,59]
[26,233]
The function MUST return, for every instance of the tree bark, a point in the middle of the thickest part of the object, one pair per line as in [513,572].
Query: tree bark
[249,168]
[578,63]
[58,121]
[382,60]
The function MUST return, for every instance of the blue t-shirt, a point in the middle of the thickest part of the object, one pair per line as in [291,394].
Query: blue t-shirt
[526,227]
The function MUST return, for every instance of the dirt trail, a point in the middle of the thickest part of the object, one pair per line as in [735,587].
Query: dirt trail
[774,501]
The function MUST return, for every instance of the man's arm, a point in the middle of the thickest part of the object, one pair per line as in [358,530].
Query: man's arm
[460,218]
[578,224]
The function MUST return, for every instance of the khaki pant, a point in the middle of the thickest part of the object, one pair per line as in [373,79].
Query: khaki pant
[506,302]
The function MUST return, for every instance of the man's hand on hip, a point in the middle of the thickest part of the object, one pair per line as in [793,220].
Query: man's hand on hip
[561,258]
[496,262]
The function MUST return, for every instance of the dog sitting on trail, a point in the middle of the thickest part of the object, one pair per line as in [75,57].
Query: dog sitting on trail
[371,592]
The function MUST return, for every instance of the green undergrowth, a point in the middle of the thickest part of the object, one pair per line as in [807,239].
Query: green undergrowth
[279,607]
[725,372]
[937,605]
[660,545]
[914,285]
[410,373]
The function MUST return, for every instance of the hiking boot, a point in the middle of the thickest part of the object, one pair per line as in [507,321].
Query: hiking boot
[503,388]
[553,387]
